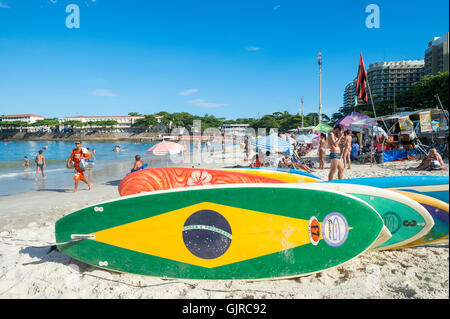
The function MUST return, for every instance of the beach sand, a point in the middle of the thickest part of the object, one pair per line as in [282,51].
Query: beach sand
[27,271]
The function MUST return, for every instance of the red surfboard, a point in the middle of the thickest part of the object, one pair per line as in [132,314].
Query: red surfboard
[162,178]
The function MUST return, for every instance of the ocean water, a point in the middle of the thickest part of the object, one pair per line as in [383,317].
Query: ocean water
[108,164]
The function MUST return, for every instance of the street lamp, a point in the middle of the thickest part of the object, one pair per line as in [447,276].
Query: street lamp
[319,57]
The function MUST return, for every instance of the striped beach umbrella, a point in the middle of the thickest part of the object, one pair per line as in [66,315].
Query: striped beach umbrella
[274,143]
[164,148]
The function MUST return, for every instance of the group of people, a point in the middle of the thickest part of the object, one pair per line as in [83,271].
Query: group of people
[79,160]
[340,143]
[269,159]
[39,161]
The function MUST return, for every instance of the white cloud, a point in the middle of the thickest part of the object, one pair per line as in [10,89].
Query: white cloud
[52,1]
[276,7]
[253,48]
[203,103]
[103,92]
[188,92]
[3,6]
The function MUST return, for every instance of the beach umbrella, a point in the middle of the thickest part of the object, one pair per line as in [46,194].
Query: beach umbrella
[289,139]
[164,148]
[347,120]
[322,128]
[366,123]
[274,143]
[378,131]
[305,139]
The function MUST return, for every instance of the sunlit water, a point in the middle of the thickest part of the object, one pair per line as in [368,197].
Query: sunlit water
[108,163]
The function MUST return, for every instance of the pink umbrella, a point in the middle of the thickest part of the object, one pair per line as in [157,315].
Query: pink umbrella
[165,148]
[347,120]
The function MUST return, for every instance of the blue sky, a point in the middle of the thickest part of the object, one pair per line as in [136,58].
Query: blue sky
[229,58]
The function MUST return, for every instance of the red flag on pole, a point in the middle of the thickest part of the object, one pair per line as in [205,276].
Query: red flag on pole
[361,82]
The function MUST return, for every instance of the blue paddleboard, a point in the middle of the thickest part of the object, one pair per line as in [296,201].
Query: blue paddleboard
[433,186]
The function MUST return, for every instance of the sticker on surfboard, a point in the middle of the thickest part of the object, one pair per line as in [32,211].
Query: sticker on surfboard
[314,230]
[334,229]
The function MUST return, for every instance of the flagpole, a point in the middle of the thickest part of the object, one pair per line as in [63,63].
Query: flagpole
[302,112]
[373,106]
[319,55]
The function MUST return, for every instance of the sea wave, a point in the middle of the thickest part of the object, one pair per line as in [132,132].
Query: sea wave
[17,174]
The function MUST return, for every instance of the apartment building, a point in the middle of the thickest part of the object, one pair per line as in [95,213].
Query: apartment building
[388,79]
[436,55]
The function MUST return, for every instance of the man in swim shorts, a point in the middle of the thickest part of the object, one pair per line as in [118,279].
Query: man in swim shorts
[40,164]
[335,152]
[77,156]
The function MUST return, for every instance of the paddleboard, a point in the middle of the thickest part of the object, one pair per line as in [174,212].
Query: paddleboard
[239,231]
[439,211]
[433,186]
[275,174]
[406,219]
[286,170]
[162,178]
[384,236]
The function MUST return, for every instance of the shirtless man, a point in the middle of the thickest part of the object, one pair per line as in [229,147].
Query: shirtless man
[40,164]
[347,149]
[335,152]
[76,156]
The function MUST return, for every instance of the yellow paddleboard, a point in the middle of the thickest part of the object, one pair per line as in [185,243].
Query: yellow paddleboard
[281,176]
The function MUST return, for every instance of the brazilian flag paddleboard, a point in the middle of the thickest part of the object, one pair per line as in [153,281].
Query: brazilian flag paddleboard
[239,231]
[406,219]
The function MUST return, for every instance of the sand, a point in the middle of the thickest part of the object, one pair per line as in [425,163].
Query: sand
[27,271]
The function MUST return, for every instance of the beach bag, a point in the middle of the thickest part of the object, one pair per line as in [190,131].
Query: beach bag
[82,163]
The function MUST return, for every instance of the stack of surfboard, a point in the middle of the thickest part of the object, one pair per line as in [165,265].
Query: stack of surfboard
[251,223]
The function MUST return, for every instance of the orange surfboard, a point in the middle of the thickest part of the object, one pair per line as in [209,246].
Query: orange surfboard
[162,178]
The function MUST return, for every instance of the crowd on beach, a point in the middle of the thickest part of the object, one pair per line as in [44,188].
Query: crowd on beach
[343,145]
[344,148]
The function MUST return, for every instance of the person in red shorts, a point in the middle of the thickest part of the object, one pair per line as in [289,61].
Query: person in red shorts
[77,157]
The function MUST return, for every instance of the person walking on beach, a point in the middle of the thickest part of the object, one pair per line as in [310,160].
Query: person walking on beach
[347,149]
[78,156]
[40,164]
[26,163]
[321,150]
[246,147]
[91,154]
[334,138]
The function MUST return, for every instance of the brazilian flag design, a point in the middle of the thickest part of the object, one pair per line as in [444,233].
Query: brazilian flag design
[222,232]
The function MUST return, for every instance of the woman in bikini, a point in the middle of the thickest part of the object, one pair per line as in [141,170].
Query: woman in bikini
[321,150]
[347,149]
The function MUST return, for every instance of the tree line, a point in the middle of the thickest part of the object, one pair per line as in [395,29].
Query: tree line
[420,96]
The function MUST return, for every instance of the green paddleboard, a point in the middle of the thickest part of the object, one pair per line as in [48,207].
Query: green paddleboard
[405,218]
[239,231]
